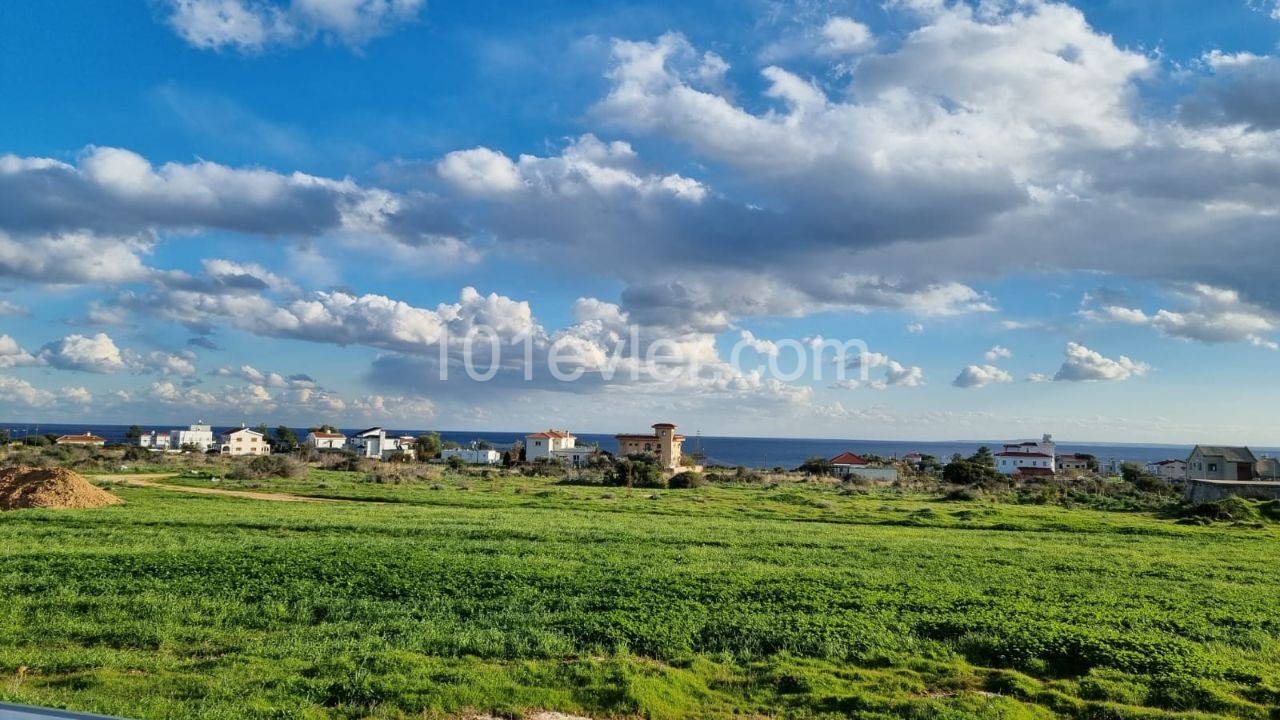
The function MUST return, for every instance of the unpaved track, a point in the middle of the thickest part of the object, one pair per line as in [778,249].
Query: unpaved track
[149,481]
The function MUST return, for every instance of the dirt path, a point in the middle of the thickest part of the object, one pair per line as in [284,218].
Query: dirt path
[149,481]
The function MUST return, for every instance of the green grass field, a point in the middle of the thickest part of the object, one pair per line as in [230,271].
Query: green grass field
[513,594]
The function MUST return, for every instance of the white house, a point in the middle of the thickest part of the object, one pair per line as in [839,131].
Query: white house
[1174,471]
[542,445]
[374,443]
[199,435]
[1028,457]
[473,455]
[326,440]
[158,442]
[243,441]
[575,456]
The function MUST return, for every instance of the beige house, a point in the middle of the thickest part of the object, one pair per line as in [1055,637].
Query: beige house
[243,441]
[664,444]
[1211,462]
[1073,463]
[322,440]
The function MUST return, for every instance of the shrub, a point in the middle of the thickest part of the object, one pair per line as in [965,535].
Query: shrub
[686,480]
[266,466]
[133,453]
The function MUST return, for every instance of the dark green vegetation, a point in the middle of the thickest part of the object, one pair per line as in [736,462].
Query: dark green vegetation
[508,593]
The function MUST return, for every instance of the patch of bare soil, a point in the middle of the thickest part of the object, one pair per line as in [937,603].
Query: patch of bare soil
[28,487]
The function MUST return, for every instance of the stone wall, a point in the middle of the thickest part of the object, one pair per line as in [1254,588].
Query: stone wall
[1214,490]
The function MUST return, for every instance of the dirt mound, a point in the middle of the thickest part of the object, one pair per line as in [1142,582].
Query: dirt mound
[27,487]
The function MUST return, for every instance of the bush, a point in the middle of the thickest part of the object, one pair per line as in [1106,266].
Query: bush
[639,471]
[686,480]
[266,466]
[133,453]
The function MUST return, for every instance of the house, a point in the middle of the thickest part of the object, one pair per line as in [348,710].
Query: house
[575,456]
[543,445]
[157,442]
[243,441]
[374,443]
[198,436]
[473,455]
[1268,468]
[913,460]
[321,440]
[1073,463]
[664,445]
[847,465]
[88,439]
[1028,454]
[1174,471]
[1215,462]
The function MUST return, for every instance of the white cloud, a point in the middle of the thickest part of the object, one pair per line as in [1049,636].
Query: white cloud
[9,309]
[981,375]
[1083,364]
[915,328]
[12,355]
[845,36]
[100,354]
[998,352]
[251,25]
[1208,314]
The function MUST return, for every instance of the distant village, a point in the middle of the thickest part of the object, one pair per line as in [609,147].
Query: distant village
[1209,473]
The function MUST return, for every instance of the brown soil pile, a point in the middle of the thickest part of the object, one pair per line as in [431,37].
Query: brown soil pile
[26,487]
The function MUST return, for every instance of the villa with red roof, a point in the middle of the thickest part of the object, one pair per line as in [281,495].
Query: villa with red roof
[88,440]
[1028,457]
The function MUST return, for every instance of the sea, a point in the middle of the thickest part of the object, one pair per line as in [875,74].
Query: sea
[752,452]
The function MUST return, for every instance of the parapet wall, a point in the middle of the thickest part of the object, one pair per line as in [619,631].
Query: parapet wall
[1214,490]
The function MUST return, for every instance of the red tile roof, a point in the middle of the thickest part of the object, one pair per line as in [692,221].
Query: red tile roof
[849,458]
[86,438]
[558,434]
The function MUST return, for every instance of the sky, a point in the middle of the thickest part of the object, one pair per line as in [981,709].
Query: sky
[888,219]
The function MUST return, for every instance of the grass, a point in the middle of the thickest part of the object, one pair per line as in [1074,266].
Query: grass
[509,594]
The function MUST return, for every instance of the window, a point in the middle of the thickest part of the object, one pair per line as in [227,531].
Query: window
[1213,467]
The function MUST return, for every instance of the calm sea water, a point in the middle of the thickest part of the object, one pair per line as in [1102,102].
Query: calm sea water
[731,451]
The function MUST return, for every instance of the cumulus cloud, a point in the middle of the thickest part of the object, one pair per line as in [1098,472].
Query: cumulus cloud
[1085,365]
[12,355]
[100,354]
[252,25]
[1207,314]
[93,220]
[998,352]
[981,375]
[845,36]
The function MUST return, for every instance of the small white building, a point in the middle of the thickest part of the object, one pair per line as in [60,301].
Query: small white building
[543,445]
[473,455]
[158,442]
[199,435]
[575,457]
[243,441]
[374,443]
[326,440]
[1039,458]
[1174,471]
[848,465]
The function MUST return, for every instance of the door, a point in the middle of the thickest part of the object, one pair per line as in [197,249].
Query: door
[1244,471]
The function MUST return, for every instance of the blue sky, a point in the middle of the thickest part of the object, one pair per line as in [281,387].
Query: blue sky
[1036,216]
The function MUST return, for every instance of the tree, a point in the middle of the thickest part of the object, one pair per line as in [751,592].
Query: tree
[983,457]
[5,438]
[133,434]
[816,466]
[456,462]
[450,445]
[429,446]
[323,429]
[286,437]
[263,431]
[635,471]
[968,472]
